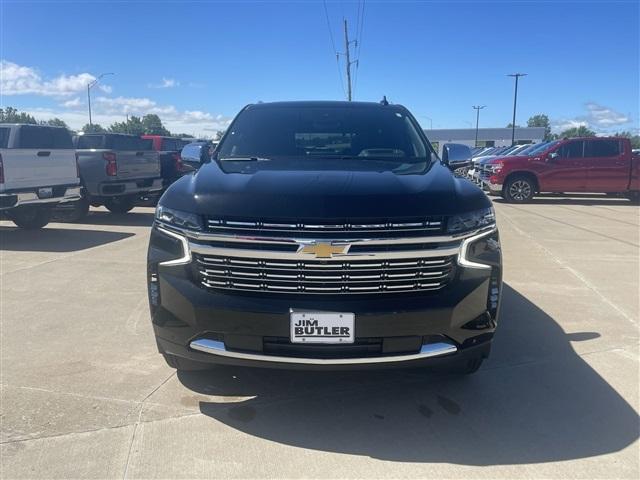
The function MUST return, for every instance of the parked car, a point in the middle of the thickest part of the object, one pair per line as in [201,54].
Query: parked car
[37,171]
[115,170]
[325,235]
[197,153]
[171,165]
[593,164]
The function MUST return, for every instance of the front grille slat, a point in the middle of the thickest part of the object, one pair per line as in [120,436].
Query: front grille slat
[381,227]
[324,277]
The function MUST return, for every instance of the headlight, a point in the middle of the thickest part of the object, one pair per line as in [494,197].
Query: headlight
[471,221]
[178,218]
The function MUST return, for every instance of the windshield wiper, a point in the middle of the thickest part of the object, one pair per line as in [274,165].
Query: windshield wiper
[246,159]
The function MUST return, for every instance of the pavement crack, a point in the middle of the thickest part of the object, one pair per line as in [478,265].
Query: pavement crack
[567,267]
[138,421]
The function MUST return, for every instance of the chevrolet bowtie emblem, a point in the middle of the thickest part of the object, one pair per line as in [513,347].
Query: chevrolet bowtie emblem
[324,250]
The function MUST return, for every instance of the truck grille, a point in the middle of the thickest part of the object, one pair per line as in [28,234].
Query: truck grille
[382,227]
[323,276]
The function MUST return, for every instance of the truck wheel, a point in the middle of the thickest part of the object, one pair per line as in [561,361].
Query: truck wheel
[30,218]
[184,364]
[119,205]
[470,366]
[519,189]
[634,197]
[78,211]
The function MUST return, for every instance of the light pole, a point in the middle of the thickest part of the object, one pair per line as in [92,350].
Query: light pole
[89,87]
[477,108]
[430,121]
[515,102]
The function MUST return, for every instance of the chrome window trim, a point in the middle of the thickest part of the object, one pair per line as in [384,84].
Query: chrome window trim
[215,347]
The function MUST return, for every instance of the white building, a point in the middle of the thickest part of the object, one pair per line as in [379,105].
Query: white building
[487,137]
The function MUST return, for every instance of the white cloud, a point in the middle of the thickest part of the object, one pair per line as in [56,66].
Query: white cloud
[75,103]
[598,117]
[20,80]
[166,83]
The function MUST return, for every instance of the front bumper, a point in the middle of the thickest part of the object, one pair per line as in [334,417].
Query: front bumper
[484,181]
[61,194]
[391,330]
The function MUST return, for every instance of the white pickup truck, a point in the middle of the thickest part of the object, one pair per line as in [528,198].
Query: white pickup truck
[38,170]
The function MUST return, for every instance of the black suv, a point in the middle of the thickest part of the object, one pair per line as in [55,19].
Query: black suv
[325,235]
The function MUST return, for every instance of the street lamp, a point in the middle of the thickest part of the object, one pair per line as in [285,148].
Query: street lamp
[430,121]
[515,101]
[477,108]
[89,87]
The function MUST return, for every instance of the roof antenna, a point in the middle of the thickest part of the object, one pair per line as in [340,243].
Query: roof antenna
[384,100]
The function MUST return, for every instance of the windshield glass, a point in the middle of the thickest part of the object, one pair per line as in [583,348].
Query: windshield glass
[545,146]
[317,132]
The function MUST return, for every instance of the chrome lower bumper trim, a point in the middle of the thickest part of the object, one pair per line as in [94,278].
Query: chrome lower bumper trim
[31,198]
[427,351]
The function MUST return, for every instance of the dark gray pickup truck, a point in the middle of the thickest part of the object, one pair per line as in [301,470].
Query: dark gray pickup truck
[115,171]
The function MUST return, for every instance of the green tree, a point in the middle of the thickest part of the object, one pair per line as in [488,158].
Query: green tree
[56,122]
[510,125]
[93,128]
[152,125]
[12,115]
[541,120]
[635,139]
[580,131]
[133,125]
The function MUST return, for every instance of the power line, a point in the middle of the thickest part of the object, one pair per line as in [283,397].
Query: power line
[359,27]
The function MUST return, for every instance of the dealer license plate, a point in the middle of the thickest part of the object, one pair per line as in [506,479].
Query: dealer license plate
[322,327]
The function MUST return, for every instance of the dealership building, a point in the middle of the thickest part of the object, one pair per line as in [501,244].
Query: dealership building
[487,137]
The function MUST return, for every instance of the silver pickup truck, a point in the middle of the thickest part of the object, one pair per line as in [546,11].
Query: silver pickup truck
[37,172]
[115,170]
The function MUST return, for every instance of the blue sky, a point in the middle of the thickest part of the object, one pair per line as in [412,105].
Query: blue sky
[197,63]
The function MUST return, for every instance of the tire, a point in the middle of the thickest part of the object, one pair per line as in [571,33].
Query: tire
[634,197]
[469,367]
[519,189]
[119,205]
[184,364]
[31,218]
[78,211]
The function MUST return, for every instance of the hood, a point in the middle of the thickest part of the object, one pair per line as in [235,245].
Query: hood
[274,190]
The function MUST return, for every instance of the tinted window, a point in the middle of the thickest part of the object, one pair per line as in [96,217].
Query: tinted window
[32,136]
[4,137]
[331,132]
[603,148]
[89,141]
[170,144]
[571,149]
[128,143]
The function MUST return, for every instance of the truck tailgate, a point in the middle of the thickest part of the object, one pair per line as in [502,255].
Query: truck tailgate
[131,165]
[31,168]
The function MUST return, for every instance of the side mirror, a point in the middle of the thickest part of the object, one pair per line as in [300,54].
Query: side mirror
[456,155]
[553,155]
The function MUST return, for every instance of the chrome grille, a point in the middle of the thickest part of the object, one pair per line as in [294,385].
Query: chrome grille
[323,277]
[380,227]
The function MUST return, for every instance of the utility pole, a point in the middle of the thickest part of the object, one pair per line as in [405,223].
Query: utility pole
[346,46]
[477,108]
[515,102]
[89,87]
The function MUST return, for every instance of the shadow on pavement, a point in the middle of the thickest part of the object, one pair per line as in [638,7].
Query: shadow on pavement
[574,199]
[534,401]
[130,219]
[51,239]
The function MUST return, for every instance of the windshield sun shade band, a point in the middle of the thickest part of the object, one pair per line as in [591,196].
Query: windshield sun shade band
[463,260]
[186,257]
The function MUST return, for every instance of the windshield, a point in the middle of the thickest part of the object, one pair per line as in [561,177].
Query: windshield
[362,133]
[545,146]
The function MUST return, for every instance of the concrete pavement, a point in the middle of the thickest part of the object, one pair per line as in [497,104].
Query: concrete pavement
[86,395]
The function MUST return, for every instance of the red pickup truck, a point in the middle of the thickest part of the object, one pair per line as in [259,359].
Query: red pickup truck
[594,165]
